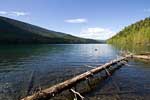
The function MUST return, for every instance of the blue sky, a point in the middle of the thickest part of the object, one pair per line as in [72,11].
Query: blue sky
[97,19]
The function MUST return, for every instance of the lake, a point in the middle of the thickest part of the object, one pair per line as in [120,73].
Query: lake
[45,65]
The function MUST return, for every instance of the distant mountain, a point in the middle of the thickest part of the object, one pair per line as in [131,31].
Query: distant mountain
[13,31]
[138,33]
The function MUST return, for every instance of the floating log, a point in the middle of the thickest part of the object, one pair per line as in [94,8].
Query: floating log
[147,57]
[52,91]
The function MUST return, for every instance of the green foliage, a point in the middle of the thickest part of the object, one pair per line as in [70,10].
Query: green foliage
[136,34]
[13,31]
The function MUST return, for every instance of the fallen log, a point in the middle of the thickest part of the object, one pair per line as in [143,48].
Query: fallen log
[147,57]
[52,91]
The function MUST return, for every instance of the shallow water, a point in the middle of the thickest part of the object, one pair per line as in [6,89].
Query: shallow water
[24,66]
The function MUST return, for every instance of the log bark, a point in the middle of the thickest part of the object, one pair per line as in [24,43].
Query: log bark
[50,92]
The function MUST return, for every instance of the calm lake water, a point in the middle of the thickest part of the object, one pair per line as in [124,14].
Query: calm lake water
[24,66]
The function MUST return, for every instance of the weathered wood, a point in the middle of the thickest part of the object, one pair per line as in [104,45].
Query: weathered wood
[147,57]
[50,92]
[77,93]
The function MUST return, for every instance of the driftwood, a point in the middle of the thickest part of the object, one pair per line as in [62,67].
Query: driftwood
[77,94]
[142,56]
[52,91]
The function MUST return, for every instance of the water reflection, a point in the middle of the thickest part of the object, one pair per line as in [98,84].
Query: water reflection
[133,48]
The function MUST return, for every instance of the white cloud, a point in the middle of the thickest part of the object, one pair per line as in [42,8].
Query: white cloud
[78,20]
[19,13]
[147,10]
[96,33]
[13,13]
[3,12]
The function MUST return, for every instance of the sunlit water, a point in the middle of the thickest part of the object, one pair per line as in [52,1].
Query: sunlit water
[51,64]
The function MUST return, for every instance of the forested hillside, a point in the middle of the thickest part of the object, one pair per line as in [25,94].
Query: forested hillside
[138,34]
[13,31]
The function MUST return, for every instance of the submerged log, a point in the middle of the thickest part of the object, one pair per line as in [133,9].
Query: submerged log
[31,81]
[52,91]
